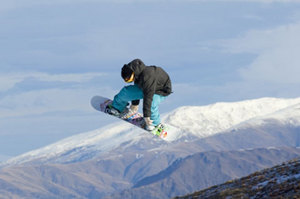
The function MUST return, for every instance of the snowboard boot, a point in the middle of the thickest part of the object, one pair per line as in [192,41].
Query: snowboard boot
[112,111]
[154,128]
[127,114]
[160,131]
[150,127]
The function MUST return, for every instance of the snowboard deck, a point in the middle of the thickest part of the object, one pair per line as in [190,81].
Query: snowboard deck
[100,104]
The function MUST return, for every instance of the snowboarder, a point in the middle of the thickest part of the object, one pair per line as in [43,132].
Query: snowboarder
[151,83]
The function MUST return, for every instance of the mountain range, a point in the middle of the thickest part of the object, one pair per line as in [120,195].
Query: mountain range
[206,146]
[281,181]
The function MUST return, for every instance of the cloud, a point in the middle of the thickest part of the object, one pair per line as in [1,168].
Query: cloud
[38,102]
[9,80]
[277,54]
[40,93]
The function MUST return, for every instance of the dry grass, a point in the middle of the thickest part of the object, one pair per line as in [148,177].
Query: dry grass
[282,181]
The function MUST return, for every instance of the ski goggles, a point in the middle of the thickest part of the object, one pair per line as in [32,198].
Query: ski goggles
[129,79]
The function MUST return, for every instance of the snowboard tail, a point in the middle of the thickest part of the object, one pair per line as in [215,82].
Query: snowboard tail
[100,104]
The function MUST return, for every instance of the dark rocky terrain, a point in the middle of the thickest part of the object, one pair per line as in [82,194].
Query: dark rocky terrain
[282,181]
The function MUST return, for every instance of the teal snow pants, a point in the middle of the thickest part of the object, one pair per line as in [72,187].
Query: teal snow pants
[133,92]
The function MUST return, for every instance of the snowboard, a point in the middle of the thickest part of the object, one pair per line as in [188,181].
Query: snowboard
[100,103]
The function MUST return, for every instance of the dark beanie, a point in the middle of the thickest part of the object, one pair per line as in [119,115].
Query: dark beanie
[126,71]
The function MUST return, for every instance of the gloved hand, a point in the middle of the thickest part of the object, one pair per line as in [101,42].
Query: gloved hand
[134,108]
[149,125]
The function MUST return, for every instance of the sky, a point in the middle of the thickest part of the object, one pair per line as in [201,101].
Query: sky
[56,55]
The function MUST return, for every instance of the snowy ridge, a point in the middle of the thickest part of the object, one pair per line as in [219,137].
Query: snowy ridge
[184,122]
[204,121]
[289,115]
[103,139]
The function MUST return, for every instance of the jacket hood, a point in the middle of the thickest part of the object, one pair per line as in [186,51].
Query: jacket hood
[137,66]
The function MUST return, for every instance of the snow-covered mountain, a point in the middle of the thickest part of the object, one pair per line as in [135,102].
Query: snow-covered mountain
[204,121]
[120,159]
[186,123]
[202,170]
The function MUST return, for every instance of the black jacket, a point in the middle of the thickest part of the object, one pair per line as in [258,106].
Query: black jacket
[151,80]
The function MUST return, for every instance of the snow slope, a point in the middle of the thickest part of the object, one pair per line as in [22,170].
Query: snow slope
[204,121]
[185,123]
[101,140]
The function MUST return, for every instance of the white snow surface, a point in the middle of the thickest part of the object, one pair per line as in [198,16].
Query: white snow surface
[199,121]
[103,139]
[204,121]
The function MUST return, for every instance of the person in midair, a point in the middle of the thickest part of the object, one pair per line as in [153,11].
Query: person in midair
[151,83]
